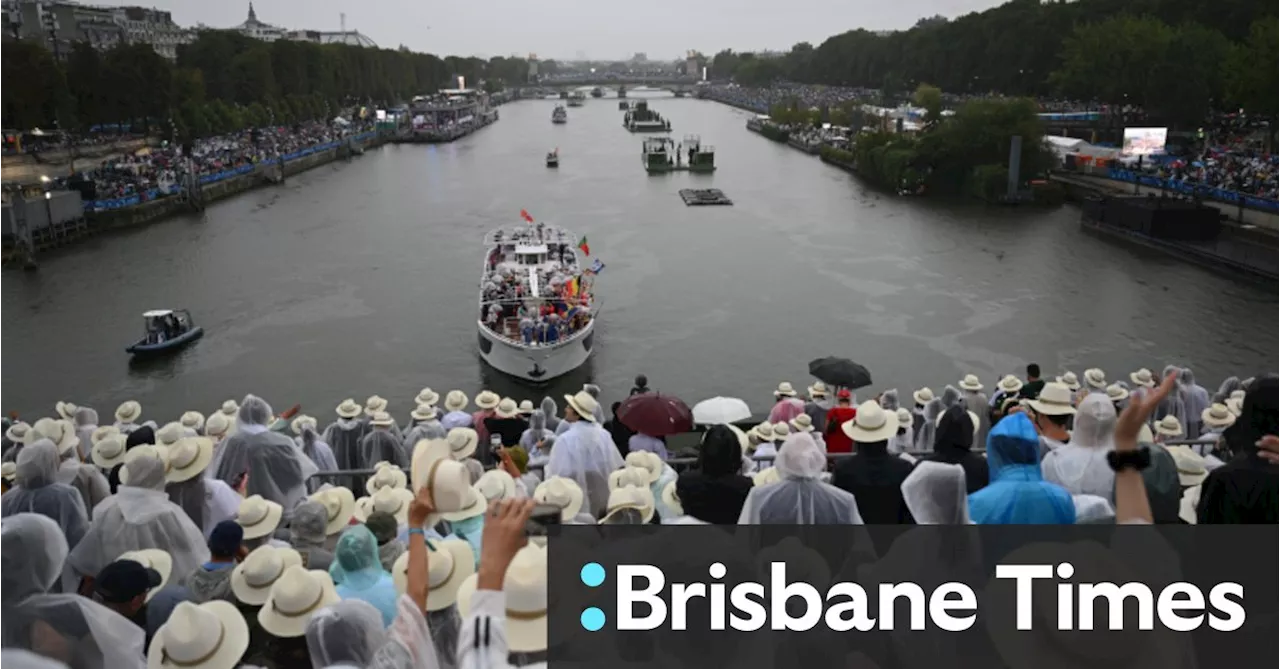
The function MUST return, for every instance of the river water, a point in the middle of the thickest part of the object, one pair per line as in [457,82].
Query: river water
[361,278]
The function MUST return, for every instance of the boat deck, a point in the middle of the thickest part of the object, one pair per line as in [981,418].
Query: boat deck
[704,196]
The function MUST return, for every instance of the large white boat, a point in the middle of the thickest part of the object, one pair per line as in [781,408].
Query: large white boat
[536,320]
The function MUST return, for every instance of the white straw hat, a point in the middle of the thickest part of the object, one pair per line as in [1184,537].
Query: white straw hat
[487,400]
[526,407]
[61,432]
[766,476]
[1095,378]
[19,431]
[872,424]
[630,497]
[780,431]
[1217,415]
[188,638]
[635,476]
[1235,405]
[427,396]
[302,420]
[1054,400]
[970,382]
[9,471]
[450,564]
[922,396]
[374,404]
[423,412]
[525,587]
[905,418]
[170,433]
[1116,393]
[229,408]
[340,503]
[294,598]
[1010,384]
[66,410]
[251,580]
[448,479]
[158,452]
[818,389]
[394,501]
[1191,465]
[671,499]
[381,419]
[188,458]
[801,423]
[455,400]
[193,420]
[348,409]
[1169,426]
[152,558]
[108,451]
[462,442]
[584,405]
[496,484]
[785,390]
[1143,377]
[649,461]
[217,425]
[258,516]
[507,408]
[386,475]
[562,492]
[1069,380]
[1187,505]
[128,412]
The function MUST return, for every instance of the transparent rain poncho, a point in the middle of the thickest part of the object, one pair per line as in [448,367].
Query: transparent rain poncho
[1194,397]
[924,438]
[140,516]
[552,413]
[358,573]
[343,437]
[382,446]
[800,497]
[349,632]
[277,469]
[71,629]
[307,534]
[1080,465]
[86,421]
[1228,386]
[537,432]
[935,493]
[586,454]
[36,491]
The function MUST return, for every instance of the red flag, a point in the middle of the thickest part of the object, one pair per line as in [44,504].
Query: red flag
[582,244]
[525,215]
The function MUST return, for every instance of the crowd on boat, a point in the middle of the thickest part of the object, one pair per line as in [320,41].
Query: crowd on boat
[164,168]
[247,538]
[563,305]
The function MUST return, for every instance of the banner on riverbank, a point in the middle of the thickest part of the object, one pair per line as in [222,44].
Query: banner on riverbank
[1195,190]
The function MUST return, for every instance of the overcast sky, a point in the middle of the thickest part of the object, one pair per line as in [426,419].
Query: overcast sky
[597,29]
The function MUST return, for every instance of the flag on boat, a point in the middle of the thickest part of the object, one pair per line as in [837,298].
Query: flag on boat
[596,266]
[582,244]
[572,287]
[524,213]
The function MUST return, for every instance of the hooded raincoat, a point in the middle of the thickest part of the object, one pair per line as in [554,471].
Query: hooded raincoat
[930,413]
[277,469]
[140,516]
[1195,398]
[952,444]
[800,497]
[318,452]
[347,633]
[343,437]
[357,571]
[307,535]
[1245,489]
[69,628]
[1017,494]
[586,454]
[1080,465]
[36,490]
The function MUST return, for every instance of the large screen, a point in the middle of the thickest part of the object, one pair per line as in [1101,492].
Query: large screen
[1144,141]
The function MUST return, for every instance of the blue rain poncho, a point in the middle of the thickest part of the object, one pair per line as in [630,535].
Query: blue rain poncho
[357,571]
[1017,494]
[36,490]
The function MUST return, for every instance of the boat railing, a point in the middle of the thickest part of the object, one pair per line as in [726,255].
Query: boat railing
[551,234]
[519,341]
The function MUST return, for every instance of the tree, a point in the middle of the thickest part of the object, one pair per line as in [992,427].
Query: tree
[35,91]
[1112,60]
[930,98]
[1249,70]
[87,86]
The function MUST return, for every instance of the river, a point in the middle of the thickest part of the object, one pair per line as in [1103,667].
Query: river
[361,277]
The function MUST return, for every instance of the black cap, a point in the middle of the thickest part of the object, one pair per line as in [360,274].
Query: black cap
[123,580]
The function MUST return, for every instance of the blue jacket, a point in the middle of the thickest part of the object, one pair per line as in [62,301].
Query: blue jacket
[1017,495]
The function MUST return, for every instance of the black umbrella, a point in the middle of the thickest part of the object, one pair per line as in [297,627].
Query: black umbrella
[841,372]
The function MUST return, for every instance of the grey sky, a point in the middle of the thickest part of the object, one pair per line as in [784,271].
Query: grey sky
[600,29]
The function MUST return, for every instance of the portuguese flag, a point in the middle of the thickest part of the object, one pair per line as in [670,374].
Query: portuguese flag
[582,244]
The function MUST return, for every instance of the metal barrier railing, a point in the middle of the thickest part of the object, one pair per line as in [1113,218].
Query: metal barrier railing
[681,464]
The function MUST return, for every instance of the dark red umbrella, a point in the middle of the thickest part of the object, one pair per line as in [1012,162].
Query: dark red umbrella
[656,415]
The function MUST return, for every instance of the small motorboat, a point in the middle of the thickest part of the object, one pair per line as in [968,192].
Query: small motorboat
[553,158]
[167,330]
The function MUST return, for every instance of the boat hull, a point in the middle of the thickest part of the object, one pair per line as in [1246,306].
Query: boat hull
[142,349]
[537,364]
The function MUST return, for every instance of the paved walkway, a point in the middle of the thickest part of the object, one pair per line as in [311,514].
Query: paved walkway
[1261,221]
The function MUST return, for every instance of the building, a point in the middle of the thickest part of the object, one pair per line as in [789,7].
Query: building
[59,24]
[256,29]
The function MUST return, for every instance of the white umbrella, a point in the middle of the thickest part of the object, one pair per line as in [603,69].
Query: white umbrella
[720,410]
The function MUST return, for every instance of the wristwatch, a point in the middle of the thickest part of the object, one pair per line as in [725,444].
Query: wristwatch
[1137,460]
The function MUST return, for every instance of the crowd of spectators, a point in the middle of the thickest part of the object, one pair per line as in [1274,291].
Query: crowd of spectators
[1231,155]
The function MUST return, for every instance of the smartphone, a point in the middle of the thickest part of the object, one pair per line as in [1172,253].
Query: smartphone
[543,516]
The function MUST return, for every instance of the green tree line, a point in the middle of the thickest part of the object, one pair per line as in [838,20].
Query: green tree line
[223,81]
[1177,58]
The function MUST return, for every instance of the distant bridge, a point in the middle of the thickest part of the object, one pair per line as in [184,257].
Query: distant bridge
[611,80]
